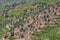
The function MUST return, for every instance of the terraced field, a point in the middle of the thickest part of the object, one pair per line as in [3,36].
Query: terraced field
[38,20]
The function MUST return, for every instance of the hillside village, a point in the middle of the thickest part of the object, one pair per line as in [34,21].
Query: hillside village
[32,20]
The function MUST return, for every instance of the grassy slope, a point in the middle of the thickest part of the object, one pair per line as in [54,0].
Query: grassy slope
[49,1]
[22,7]
[49,33]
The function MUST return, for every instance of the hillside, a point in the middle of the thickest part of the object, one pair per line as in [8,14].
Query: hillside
[38,20]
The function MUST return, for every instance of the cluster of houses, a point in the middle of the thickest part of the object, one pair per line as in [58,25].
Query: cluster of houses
[24,25]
